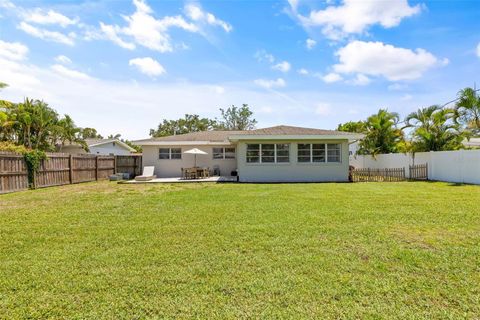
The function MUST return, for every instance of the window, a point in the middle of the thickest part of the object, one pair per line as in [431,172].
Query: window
[318,152]
[164,153]
[217,153]
[333,152]
[268,153]
[253,153]
[170,153]
[223,153]
[229,153]
[304,153]
[283,152]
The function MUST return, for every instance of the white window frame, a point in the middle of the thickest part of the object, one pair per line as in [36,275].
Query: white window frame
[274,154]
[170,154]
[326,154]
[223,153]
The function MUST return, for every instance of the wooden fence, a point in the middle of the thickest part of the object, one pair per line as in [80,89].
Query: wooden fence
[60,169]
[378,175]
[13,172]
[419,172]
[129,164]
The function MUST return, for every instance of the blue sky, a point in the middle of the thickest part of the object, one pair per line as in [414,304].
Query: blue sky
[123,66]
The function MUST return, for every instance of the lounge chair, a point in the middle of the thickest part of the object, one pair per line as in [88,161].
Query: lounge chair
[147,174]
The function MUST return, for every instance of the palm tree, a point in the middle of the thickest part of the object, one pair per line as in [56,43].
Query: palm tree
[434,129]
[68,131]
[382,134]
[467,109]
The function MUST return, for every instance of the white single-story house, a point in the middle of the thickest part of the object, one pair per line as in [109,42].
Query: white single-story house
[103,147]
[276,154]
[472,143]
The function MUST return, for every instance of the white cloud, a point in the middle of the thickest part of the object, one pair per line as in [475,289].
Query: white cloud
[39,16]
[379,59]
[218,89]
[6,4]
[360,80]
[283,66]
[265,110]
[397,87]
[148,66]
[478,50]
[262,55]
[324,109]
[310,43]
[354,17]
[270,84]
[70,73]
[63,59]
[303,71]
[331,77]
[406,97]
[13,50]
[111,33]
[195,12]
[48,35]
[146,30]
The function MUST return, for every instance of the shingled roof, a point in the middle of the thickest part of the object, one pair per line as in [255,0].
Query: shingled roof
[223,136]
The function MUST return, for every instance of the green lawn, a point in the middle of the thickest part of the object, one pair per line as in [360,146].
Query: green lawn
[365,250]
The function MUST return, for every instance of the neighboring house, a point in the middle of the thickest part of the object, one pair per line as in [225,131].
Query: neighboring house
[472,143]
[276,154]
[100,147]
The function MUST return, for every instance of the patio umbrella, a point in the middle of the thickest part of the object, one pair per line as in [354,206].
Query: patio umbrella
[195,151]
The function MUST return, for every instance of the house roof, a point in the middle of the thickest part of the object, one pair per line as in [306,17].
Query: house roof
[98,142]
[222,137]
[473,142]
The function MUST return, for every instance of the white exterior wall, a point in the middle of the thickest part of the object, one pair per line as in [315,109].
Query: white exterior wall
[173,168]
[462,166]
[293,171]
[109,148]
[71,149]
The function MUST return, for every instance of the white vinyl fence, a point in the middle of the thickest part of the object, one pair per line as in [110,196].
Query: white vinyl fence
[461,166]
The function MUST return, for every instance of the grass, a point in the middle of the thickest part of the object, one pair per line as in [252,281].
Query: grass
[366,250]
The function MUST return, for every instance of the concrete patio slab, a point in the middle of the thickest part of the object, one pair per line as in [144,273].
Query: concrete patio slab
[182,180]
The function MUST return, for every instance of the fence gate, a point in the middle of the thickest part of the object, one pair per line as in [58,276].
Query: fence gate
[378,175]
[419,172]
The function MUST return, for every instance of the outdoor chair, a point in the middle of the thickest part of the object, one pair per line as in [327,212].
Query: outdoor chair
[147,174]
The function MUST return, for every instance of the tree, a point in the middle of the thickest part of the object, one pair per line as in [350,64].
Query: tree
[382,134]
[67,131]
[114,136]
[352,126]
[234,118]
[467,110]
[33,124]
[90,133]
[381,131]
[434,129]
[190,123]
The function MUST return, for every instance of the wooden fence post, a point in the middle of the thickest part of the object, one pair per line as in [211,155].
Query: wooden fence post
[96,168]
[70,166]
